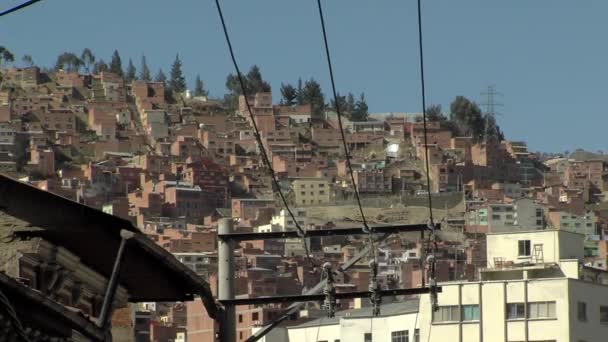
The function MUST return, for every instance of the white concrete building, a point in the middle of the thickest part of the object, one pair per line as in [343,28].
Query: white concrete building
[534,289]
[397,322]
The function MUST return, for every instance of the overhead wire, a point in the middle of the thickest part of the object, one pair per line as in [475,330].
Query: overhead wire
[339,113]
[366,227]
[264,155]
[18,7]
[432,237]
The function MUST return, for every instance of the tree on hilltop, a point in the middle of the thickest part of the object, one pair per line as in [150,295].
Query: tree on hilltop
[177,83]
[161,77]
[313,95]
[88,59]
[199,87]
[6,56]
[27,60]
[361,111]
[116,64]
[69,62]
[289,94]
[131,74]
[145,74]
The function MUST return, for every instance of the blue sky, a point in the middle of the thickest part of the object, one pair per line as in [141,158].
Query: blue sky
[548,57]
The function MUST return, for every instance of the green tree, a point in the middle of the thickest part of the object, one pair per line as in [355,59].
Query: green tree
[468,117]
[341,103]
[88,59]
[116,64]
[131,74]
[145,74]
[69,62]
[312,94]
[161,77]
[350,102]
[177,82]
[434,113]
[361,111]
[289,94]
[255,82]
[27,60]
[6,56]
[300,98]
[492,130]
[100,66]
[199,87]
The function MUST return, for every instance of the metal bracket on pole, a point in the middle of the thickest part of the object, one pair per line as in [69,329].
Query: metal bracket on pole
[108,300]
[432,282]
[329,291]
[225,290]
[374,288]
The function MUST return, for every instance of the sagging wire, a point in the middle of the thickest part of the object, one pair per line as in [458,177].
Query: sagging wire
[264,155]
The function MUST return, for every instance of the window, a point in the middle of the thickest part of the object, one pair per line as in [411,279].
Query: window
[495,217]
[447,314]
[367,337]
[470,312]
[240,318]
[604,314]
[541,310]
[516,311]
[582,311]
[416,335]
[255,316]
[524,247]
[400,336]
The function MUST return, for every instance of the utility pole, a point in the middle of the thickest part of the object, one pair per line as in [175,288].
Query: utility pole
[227,239]
[225,286]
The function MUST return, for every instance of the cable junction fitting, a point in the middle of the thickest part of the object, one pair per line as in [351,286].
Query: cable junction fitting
[432,281]
[374,288]
[329,290]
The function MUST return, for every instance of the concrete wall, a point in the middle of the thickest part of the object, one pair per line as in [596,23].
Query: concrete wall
[493,298]
[594,296]
[556,245]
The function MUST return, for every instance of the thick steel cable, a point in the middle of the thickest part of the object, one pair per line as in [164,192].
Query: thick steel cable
[258,137]
[18,7]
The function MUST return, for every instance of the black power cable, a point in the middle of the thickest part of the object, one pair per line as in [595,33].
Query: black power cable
[432,237]
[18,7]
[337,103]
[345,145]
[258,137]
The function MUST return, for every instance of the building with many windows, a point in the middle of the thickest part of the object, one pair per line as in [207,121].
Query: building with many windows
[311,191]
[535,288]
